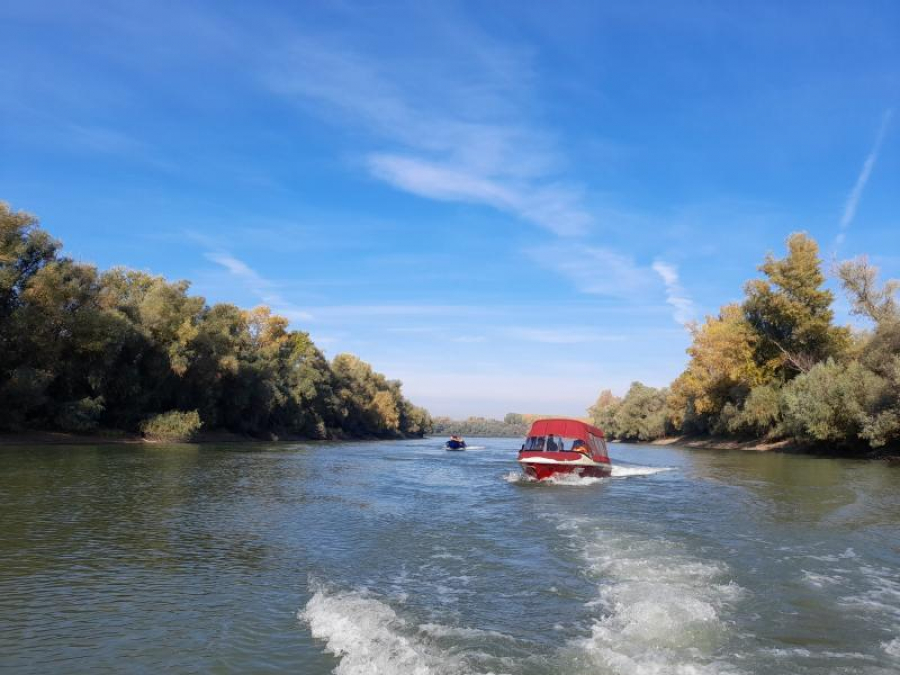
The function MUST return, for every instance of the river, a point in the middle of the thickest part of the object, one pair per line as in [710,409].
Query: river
[401,558]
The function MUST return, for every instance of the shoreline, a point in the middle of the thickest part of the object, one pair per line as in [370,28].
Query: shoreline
[721,443]
[26,438]
[785,446]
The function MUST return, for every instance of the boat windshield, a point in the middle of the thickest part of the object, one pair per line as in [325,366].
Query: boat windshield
[553,443]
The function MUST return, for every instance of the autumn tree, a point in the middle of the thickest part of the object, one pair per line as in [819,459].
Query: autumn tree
[721,370]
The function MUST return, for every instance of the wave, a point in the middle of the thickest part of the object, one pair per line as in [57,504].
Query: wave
[620,471]
[663,611]
[370,637]
[573,480]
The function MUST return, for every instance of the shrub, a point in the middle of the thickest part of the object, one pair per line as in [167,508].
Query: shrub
[80,415]
[172,427]
[761,413]
[833,402]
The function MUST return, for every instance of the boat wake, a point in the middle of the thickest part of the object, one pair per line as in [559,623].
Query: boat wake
[662,611]
[656,610]
[370,637]
[628,471]
[572,480]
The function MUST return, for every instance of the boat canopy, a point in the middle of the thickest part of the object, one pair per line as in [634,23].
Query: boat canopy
[558,432]
[564,427]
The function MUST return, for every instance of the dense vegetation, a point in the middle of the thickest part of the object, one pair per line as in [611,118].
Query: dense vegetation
[82,349]
[512,424]
[777,367]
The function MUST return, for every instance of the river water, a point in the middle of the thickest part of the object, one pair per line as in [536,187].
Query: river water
[402,558]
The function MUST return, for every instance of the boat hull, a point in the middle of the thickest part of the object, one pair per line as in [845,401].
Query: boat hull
[455,445]
[546,465]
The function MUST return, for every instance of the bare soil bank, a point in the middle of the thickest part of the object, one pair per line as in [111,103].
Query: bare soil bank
[787,446]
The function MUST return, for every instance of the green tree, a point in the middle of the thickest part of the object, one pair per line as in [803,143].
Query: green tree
[603,413]
[838,403]
[791,311]
[641,416]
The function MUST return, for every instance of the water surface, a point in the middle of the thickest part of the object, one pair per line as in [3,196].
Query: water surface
[402,558]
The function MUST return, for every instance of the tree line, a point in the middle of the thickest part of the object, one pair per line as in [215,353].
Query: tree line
[776,366]
[82,350]
[513,424]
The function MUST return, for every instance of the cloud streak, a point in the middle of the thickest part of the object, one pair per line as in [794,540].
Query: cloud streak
[261,287]
[456,136]
[595,270]
[676,296]
[856,193]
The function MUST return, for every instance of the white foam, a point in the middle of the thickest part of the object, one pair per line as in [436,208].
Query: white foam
[882,596]
[846,555]
[441,631]
[370,637]
[518,477]
[821,580]
[619,471]
[574,480]
[800,652]
[892,648]
[662,609]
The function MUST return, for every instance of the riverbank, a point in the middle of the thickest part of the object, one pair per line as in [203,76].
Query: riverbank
[112,437]
[785,446]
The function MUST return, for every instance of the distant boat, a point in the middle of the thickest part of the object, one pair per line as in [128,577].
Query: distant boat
[561,446]
[455,443]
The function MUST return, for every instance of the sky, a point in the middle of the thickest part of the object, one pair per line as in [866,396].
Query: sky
[508,206]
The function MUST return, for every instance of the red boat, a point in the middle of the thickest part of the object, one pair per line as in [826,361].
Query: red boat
[561,446]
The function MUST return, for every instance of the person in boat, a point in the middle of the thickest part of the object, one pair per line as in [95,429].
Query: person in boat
[552,445]
[579,445]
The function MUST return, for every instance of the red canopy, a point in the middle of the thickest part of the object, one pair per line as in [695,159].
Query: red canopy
[565,428]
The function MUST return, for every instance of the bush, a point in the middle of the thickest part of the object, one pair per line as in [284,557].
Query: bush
[834,402]
[81,415]
[761,413]
[172,427]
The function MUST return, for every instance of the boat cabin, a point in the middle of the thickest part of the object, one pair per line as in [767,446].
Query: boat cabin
[569,437]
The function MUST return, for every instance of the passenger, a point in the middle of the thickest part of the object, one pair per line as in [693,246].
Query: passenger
[579,446]
[551,444]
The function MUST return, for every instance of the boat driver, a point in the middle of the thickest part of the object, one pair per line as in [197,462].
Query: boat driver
[579,445]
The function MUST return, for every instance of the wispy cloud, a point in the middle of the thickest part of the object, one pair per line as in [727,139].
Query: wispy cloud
[458,136]
[595,270]
[261,287]
[856,193]
[675,293]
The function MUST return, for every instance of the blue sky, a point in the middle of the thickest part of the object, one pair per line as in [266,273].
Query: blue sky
[508,206]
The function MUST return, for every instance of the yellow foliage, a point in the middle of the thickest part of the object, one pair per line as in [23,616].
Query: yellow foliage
[721,361]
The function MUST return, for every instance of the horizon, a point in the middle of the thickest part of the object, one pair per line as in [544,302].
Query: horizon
[508,209]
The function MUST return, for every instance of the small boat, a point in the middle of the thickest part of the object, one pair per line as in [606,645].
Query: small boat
[563,446]
[455,443]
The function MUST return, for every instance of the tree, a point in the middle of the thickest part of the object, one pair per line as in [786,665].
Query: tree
[603,412]
[791,311]
[641,415]
[860,281]
[721,371]
[838,403]
[80,349]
